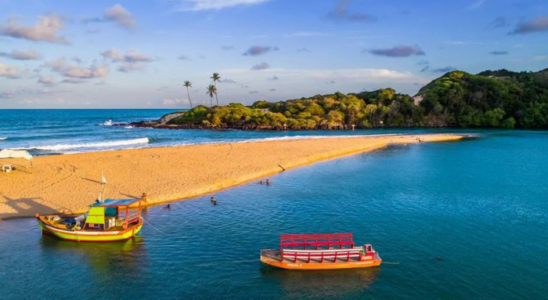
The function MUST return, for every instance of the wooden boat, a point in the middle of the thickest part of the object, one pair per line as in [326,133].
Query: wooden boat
[107,221]
[320,252]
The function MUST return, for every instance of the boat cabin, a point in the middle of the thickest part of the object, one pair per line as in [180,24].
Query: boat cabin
[111,214]
[323,248]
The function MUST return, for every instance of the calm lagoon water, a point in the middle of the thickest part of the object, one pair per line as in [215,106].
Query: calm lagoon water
[481,205]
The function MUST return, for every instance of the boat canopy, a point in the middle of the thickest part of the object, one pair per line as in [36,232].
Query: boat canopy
[317,241]
[115,202]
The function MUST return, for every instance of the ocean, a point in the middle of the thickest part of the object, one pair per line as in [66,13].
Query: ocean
[454,220]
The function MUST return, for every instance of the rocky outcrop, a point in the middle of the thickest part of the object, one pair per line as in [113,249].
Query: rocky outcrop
[165,119]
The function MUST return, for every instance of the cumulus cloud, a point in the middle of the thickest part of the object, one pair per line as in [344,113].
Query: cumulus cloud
[47,80]
[201,5]
[184,57]
[261,66]
[132,60]
[444,70]
[341,13]
[22,55]
[272,90]
[228,81]
[426,68]
[46,29]
[8,71]
[75,71]
[398,51]
[116,14]
[259,50]
[119,15]
[227,47]
[274,78]
[534,25]
[498,52]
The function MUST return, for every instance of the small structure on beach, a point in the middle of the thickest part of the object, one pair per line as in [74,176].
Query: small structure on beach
[6,153]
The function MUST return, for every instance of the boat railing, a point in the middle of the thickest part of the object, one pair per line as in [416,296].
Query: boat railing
[322,254]
[316,241]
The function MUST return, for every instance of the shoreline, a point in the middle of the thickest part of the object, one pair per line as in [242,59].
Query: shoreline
[68,183]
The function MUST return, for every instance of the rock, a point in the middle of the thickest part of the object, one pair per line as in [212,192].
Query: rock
[163,120]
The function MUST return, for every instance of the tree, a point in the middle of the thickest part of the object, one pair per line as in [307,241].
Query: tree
[211,90]
[188,84]
[216,78]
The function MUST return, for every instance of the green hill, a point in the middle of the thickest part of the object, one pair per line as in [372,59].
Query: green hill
[490,99]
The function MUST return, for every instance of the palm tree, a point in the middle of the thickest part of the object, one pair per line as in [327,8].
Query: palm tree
[188,84]
[211,90]
[216,78]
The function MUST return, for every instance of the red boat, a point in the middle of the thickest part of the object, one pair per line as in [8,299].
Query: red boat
[320,252]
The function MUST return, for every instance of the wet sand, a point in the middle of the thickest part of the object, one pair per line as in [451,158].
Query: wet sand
[68,183]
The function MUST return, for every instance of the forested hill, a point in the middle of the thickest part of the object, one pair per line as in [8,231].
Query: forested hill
[491,99]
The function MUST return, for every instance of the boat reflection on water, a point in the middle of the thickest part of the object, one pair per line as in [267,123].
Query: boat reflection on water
[320,284]
[102,258]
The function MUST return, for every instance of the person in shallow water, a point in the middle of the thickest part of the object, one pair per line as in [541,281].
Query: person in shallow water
[213,200]
[268,182]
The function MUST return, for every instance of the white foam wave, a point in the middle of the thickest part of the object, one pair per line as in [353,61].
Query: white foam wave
[129,127]
[3,138]
[60,147]
[107,123]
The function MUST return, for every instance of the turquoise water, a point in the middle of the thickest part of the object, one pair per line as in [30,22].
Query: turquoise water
[480,205]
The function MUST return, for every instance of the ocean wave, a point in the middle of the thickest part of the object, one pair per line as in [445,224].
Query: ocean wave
[60,147]
[109,123]
[3,138]
[106,123]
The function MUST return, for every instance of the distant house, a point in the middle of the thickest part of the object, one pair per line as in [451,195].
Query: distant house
[418,99]
[265,110]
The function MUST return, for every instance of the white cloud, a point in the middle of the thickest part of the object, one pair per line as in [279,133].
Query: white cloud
[46,29]
[200,5]
[76,71]
[22,55]
[132,60]
[174,102]
[114,55]
[47,80]
[119,15]
[7,71]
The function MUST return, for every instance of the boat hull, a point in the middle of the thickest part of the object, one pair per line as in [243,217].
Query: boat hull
[273,258]
[90,236]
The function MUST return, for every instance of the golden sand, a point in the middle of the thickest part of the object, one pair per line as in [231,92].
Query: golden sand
[69,183]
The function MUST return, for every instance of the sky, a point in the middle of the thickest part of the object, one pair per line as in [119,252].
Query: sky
[138,54]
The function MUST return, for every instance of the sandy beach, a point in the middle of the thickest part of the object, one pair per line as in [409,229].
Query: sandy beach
[68,183]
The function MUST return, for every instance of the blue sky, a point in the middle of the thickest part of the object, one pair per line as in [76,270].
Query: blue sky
[137,54]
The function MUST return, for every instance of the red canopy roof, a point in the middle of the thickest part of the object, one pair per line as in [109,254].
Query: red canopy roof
[316,240]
